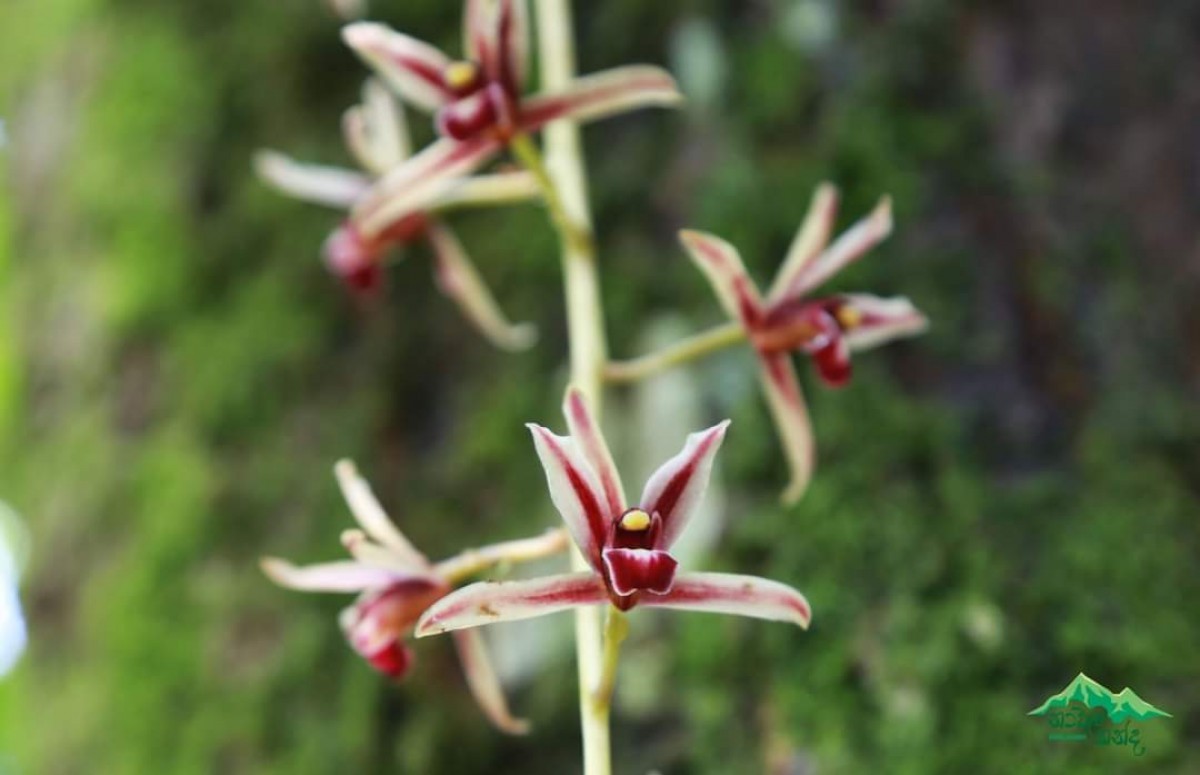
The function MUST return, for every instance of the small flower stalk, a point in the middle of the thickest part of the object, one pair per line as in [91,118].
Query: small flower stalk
[396,584]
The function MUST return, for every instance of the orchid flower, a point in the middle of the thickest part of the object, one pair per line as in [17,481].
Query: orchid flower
[377,136]
[789,319]
[12,623]
[479,102]
[626,546]
[397,583]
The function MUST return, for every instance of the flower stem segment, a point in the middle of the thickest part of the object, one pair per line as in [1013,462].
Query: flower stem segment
[683,351]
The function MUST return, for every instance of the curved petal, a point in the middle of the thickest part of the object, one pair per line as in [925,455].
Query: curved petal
[479,31]
[374,520]
[675,489]
[722,265]
[484,683]
[501,188]
[376,131]
[853,244]
[574,490]
[790,413]
[419,182]
[878,320]
[488,602]
[345,576]
[810,240]
[590,440]
[330,186]
[731,593]
[601,95]
[413,68]
[458,279]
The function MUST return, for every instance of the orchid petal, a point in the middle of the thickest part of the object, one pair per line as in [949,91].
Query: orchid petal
[786,402]
[419,182]
[479,30]
[601,95]
[810,240]
[484,683]
[588,437]
[489,602]
[722,265]
[574,490]
[675,489]
[374,520]
[458,279]
[376,131]
[345,576]
[882,320]
[730,593]
[330,186]
[501,188]
[853,244]
[413,68]
[370,553]
[512,37]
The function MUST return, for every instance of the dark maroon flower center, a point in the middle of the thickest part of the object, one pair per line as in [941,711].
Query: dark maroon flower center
[816,327]
[357,259]
[634,560]
[482,103]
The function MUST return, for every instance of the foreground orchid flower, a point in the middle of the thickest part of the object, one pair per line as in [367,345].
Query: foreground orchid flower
[627,546]
[827,328]
[479,102]
[397,584]
[377,135]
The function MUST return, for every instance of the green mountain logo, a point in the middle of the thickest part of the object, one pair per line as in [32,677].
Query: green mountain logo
[1125,704]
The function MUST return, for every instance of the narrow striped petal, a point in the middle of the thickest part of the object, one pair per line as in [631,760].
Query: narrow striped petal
[730,593]
[457,278]
[675,489]
[878,321]
[786,402]
[810,240]
[849,247]
[374,520]
[501,188]
[575,492]
[512,42]
[329,186]
[587,435]
[722,265]
[601,95]
[413,68]
[484,683]
[489,602]
[345,576]
[418,183]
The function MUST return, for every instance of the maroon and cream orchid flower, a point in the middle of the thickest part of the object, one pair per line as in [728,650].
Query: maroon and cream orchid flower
[479,102]
[397,583]
[626,545]
[790,319]
[377,136]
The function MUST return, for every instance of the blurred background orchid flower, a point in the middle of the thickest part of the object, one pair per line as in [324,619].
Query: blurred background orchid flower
[789,320]
[627,547]
[12,621]
[376,133]
[479,102]
[396,583]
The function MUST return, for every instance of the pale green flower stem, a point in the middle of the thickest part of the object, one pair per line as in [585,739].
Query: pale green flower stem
[563,179]
[683,351]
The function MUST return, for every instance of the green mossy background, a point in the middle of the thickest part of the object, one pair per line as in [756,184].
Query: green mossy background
[1000,504]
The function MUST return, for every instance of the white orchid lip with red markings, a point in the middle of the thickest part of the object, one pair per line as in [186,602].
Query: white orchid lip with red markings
[627,547]
[479,101]
[789,319]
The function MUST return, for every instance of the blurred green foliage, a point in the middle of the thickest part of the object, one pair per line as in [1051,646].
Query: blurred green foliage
[999,505]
